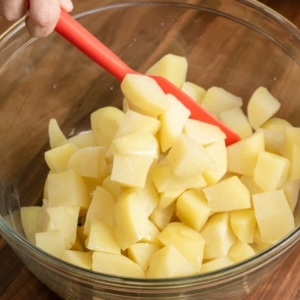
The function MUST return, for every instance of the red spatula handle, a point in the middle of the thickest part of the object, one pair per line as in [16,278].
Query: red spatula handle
[76,34]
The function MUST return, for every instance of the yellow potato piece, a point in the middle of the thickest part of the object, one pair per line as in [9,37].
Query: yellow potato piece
[52,242]
[240,251]
[162,217]
[216,264]
[56,136]
[78,258]
[193,90]
[83,140]
[29,219]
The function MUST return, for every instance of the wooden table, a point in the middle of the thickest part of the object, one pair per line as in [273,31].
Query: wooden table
[17,283]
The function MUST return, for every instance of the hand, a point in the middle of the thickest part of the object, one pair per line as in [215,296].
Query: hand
[42,17]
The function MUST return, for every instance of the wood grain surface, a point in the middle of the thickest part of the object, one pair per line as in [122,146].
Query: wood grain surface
[17,282]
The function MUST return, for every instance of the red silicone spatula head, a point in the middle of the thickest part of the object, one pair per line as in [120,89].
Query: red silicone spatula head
[71,30]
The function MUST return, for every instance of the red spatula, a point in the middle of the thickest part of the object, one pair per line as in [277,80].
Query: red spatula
[76,34]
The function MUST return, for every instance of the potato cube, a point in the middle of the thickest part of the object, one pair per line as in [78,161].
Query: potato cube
[203,133]
[217,151]
[187,158]
[114,188]
[65,219]
[192,209]
[83,140]
[273,214]
[243,224]
[194,91]
[216,264]
[139,123]
[130,222]
[162,217]
[52,242]
[291,150]
[227,195]
[68,188]
[143,144]
[144,92]
[131,170]
[151,236]
[271,171]
[89,162]
[44,222]
[29,219]
[56,136]
[240,251]
[116,264]
[276,124]
[172,67]
[242,156]
[101,237]
[105,122]
[259,243]
[168,197]
[162,264]
[78,258]
[58,158]
[101,208]
[291,191]
[217,100]
[172,122]
[218,236]
[186,240]
[261,107]
[141,253]
[236,119]
[248,182]
[165,180]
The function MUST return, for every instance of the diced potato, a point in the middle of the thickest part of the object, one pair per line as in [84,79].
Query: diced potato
[114,188]
[116,264]
[52,242]
[291,150]
[143,144]
[194,91]
[151,236]
[77,246]
[187,158]
[58,158]
[131,170]
[271,171]
[291,191]
[186,240]
[148,197]
[243,224]
[172,122]
[141,253]
[165,180]
[218,236]
[240,251]
[139,123]
[143,92]
[56,136]
[242,156]
[216,264]
[251,185]
[68,188]
[227,195]
[276,124]
[65,219]
[162,217]
[105,122]
[89,162]
[162,264]
[44,221]
[261,107]
[273,214]
[78,258]
[83,140]
[192,209]
[168,197]
[101,237]
[260,244]
[101,208]
[171,67]
[217,100]
[236,119]
[203,133]
[217,151]
[29,219]
[130,222]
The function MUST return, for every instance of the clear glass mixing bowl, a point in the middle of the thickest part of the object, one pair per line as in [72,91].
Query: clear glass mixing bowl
[237,45]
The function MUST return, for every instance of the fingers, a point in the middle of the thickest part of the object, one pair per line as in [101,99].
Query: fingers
[42,17]
[12,10]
